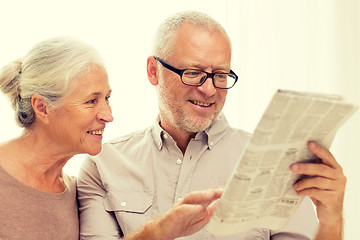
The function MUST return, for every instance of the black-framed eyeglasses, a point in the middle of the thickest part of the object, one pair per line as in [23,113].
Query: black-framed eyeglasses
[195,77]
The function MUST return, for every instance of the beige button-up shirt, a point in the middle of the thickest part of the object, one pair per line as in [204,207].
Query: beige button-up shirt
[142,175]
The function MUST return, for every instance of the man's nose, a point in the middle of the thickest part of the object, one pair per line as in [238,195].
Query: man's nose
[208,87]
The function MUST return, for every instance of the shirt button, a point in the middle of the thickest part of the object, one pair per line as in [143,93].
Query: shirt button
[159,143]
[165,136]
[211,144]
[179,199]
[178,161]
[123,204]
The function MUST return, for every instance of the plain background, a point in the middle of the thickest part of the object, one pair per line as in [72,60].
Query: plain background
[304,45]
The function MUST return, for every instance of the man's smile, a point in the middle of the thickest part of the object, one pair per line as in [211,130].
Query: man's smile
[202,104]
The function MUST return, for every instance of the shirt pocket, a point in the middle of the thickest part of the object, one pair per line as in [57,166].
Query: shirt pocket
[130,208]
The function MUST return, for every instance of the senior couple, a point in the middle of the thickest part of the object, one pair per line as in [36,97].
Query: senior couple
[157,183]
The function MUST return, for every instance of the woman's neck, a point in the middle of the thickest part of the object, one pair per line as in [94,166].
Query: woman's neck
[30,160]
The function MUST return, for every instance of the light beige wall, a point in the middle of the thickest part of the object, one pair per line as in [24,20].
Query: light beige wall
[309,45]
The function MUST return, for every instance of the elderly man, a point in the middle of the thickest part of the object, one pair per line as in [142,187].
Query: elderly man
[192,147]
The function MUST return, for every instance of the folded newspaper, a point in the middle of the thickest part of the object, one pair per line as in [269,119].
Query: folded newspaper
[260,192]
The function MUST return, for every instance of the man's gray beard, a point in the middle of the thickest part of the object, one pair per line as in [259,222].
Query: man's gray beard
[195,127]
[185,122]
[170,108]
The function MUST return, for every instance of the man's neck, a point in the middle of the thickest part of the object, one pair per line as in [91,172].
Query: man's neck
[180,136]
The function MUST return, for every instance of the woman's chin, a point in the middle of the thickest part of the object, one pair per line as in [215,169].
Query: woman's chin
[94,150]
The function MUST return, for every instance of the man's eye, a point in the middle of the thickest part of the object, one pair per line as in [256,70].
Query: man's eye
[192,73]
[107,98]
[221,77]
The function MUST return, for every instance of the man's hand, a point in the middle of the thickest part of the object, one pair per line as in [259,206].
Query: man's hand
[186,217]
[325,185]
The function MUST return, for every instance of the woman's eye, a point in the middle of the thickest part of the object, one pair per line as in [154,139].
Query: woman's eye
[92,101]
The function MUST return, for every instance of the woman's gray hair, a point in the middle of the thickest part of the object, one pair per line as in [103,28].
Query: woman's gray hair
[165,35]
[47,69]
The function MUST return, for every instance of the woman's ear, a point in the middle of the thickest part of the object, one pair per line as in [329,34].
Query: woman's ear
[40,107]
[152,71]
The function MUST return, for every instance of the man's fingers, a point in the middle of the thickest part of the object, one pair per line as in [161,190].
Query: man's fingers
[324,154]
[203,197]
[314,169]
[318,183]
[328,168]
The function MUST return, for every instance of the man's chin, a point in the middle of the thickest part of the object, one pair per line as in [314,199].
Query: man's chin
[197,126]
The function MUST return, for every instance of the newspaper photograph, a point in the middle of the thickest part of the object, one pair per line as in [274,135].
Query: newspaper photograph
[260,192]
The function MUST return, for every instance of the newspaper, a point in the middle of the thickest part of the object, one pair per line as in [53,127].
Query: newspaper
[260,192]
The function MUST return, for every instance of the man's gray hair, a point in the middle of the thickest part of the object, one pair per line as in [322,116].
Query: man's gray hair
[166,33]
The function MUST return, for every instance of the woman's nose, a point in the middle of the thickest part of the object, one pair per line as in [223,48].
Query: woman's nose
[105,114]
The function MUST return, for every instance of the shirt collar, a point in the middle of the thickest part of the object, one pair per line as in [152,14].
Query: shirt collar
[216,130]
[157,133]
[211,135]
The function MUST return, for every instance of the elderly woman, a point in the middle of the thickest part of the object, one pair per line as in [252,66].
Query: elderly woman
[60,93]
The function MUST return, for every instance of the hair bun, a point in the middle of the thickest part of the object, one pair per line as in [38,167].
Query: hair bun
[9,79]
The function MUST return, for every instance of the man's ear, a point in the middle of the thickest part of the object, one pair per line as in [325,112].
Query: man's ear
[152,71]
[40,107]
